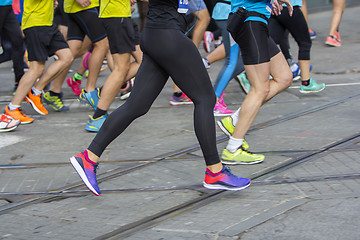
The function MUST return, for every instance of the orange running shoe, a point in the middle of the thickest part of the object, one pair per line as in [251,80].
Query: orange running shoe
[337,35]
[332,41]
[17,114]
[36,103]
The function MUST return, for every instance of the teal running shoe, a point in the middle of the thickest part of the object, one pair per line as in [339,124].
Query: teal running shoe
[94,125]
[55,102]
[244,82]
[313,87]
[93,97]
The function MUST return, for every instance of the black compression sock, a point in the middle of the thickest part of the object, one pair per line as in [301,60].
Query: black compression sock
[306,82]
[98,113]
[54,94]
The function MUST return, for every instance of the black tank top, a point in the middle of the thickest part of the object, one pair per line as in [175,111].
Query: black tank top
[163,14]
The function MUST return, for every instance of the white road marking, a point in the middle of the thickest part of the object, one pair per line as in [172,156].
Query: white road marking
[10,140]
[334,85]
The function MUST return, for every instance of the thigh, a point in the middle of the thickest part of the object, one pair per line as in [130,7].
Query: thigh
[150,80]
[121,34]
[57,41]
[296,24]
[179,57]
[36,40]
[255,43]
[276,30]
[196,5]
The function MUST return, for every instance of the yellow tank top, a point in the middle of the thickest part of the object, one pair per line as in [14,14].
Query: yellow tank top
[115,8]
[38,13]
[72,6]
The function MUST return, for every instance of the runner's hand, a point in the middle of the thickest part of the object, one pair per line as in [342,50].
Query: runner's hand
[277,7]
[84,3]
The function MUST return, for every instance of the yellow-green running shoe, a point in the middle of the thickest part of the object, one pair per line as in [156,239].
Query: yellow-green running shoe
[226,125]
[241,156]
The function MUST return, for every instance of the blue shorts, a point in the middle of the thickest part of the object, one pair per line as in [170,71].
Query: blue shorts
[196,5]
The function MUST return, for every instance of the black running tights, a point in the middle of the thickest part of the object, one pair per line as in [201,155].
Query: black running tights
[297,26]
[167,52]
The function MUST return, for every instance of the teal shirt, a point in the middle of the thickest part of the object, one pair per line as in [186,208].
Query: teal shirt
[6,2]
[221,10]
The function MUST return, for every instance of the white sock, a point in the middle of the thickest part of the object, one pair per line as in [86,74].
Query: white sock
[235,116]
[12,107]
[35,91]
[234,144]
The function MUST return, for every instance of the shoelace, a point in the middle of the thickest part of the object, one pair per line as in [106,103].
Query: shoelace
[96,166]
[226,170]
[21,111]
[247,151]
[58,102]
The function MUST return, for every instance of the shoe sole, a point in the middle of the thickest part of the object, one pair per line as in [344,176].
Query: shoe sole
[34,106]
[313,91]
[222,114]
[221,187]
[8,129]
[296,78]
[125,96]
[332,45]
[82,175]
[178,104]
[223,129]
[240,163]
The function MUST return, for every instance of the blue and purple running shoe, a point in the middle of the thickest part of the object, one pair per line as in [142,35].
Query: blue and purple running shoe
[225,180]
[86,171]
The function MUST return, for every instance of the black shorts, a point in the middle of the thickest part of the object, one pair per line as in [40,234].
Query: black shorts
[255,43]
[42,42]
[137,33]
[121,34]
[86,22]
[60,17]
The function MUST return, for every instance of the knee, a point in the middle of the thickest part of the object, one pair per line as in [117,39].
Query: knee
[286,79]
[36,68]
[207,100]
[66,57]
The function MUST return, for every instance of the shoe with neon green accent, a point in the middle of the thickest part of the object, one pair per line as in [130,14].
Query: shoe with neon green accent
[313,87]
[55,102]
[241,156]
[226,125]
[94,125]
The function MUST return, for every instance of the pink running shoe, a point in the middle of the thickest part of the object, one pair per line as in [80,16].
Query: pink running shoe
[182,100]
[75,85]
[208,40]
[220,110]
